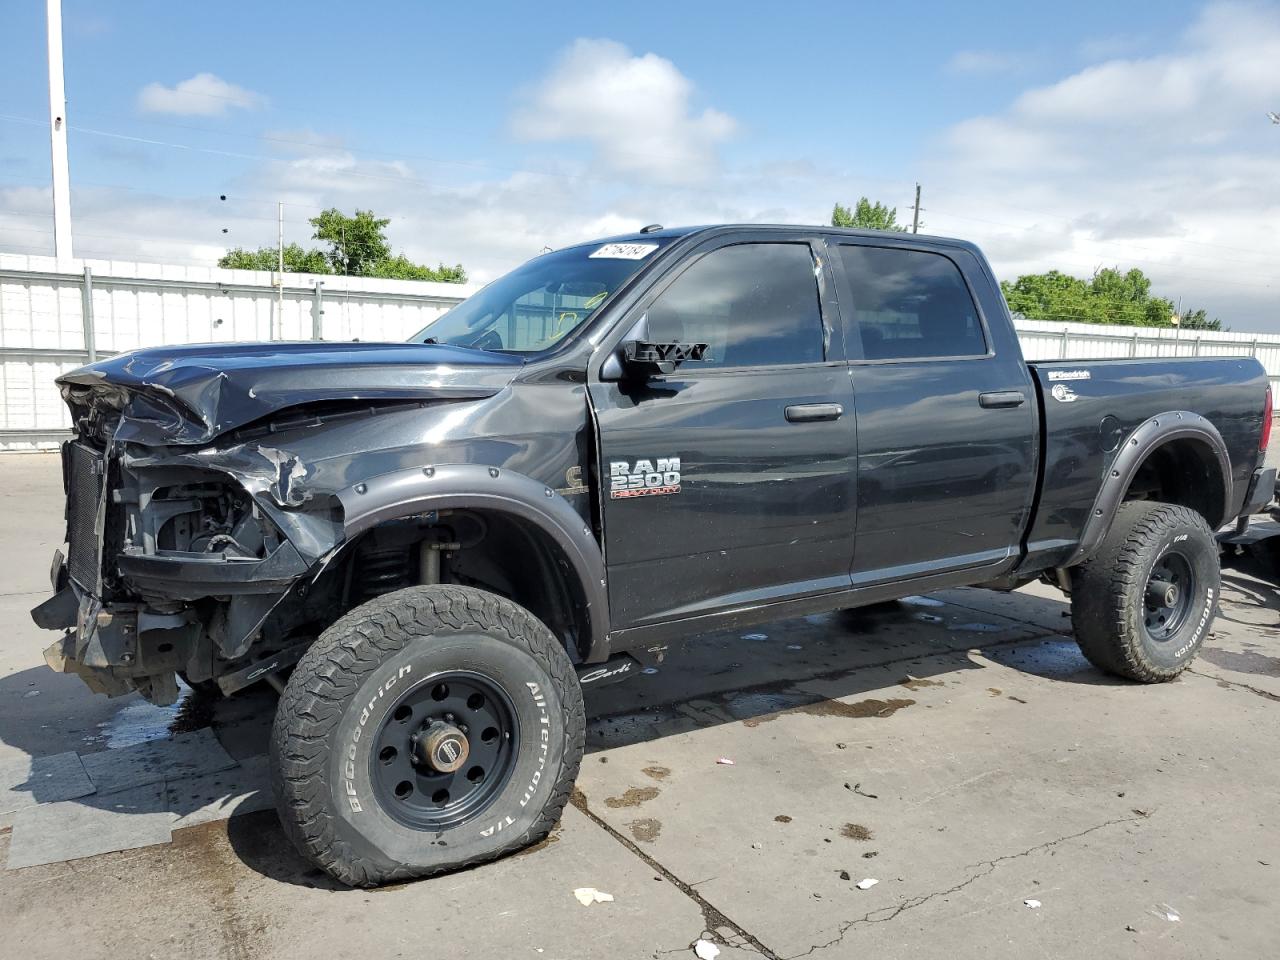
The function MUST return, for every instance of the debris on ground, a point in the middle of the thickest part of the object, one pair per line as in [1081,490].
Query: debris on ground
[857,788]
[1033,904]
[855,831]
[757,846]
[706,950]
[725,760]
[589,895]
[1166,912]
[794,646]
[866,884]
[841,746]
[755,636]
[844,875]
[649,671]
[782,818]
[870,853]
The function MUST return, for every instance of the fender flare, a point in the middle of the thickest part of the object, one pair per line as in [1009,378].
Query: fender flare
[404,493]
[1147,437]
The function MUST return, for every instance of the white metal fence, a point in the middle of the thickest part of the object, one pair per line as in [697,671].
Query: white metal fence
[1043,340]
[57,315]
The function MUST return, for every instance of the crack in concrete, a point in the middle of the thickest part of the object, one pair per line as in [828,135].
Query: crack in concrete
[1258,691]
[712,918]
[987,867]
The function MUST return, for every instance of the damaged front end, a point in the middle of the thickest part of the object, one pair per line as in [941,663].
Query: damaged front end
[175,557]
[227,503]
[177,554]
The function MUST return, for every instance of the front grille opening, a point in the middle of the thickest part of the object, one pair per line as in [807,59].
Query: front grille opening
[84,492]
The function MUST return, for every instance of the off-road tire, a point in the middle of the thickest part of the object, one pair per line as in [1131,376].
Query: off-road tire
[344,686]
[1108,592]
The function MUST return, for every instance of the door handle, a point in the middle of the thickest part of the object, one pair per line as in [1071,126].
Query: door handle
[809,412]
[1002,398]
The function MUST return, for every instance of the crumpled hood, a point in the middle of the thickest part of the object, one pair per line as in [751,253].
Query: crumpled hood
[191,394]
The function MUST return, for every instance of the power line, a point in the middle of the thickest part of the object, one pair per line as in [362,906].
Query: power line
[569,177]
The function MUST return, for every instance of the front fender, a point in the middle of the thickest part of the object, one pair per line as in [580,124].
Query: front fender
[405,493]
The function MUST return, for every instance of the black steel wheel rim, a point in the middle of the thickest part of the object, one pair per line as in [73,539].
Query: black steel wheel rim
[1169,596]
[408,784]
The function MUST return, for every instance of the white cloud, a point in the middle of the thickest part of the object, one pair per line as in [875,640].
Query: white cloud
[635,111]
[984,61]
[204,95]
[1046,183]
[1154,162]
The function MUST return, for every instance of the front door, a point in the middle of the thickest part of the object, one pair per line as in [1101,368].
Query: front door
[947,421]
[730,482]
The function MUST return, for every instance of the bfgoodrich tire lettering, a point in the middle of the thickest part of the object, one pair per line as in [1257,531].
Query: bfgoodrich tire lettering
[1120,626]
[342,693]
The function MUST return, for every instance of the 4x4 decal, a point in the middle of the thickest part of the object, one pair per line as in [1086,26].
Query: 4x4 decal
[646,478]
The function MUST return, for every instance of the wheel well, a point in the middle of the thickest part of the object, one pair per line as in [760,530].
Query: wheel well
[1183,471]
[488,549]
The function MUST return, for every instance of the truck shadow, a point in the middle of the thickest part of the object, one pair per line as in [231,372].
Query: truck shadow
[857,663]
[865,663]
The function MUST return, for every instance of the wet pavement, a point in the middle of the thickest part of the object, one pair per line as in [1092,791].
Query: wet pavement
[955,748]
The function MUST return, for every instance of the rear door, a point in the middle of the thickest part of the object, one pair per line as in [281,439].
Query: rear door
[730,481]
[946,411]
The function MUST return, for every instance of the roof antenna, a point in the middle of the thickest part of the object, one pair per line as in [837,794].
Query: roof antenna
[651,228]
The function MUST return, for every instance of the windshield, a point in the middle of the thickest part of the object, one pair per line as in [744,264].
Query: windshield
[537,305]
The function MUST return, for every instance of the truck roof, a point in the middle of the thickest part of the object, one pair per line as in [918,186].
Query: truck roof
[718,228]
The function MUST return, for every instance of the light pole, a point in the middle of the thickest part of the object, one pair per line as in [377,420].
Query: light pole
[58,134]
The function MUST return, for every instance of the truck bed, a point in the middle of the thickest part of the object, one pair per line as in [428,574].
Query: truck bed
[1089,407]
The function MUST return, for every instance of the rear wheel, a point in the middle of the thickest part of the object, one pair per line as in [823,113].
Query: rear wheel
[429,729]
[1142,605]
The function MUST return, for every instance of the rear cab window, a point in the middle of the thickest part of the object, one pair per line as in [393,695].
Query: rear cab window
[910,304]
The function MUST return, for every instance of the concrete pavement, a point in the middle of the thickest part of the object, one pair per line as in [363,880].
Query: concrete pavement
[956,748]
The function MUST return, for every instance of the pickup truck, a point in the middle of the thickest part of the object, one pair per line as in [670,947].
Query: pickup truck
[429,548]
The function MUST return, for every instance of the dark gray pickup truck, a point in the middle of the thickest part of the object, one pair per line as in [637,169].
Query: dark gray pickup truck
[439,543]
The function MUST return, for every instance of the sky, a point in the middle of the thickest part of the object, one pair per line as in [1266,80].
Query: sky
[1057,137]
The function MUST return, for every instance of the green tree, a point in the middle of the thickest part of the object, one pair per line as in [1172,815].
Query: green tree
[401,267]
[296,259]
[357,247]
[867,216]
[1199,320]
[356,243]
[1108,297]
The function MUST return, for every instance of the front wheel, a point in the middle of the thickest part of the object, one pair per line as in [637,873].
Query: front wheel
[1142,605]
[426,730]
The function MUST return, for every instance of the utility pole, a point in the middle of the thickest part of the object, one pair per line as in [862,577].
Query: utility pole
[915,212]
[279,333]
[58,134]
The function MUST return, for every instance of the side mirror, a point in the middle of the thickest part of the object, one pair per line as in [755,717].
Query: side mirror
[641,357]
[647,358]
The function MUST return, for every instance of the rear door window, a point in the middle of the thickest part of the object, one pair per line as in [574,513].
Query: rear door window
[911,304]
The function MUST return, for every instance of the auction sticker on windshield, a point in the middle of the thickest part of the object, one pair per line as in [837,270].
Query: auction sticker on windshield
[625,251]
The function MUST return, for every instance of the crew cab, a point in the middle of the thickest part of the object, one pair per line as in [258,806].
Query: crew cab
[429,547]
